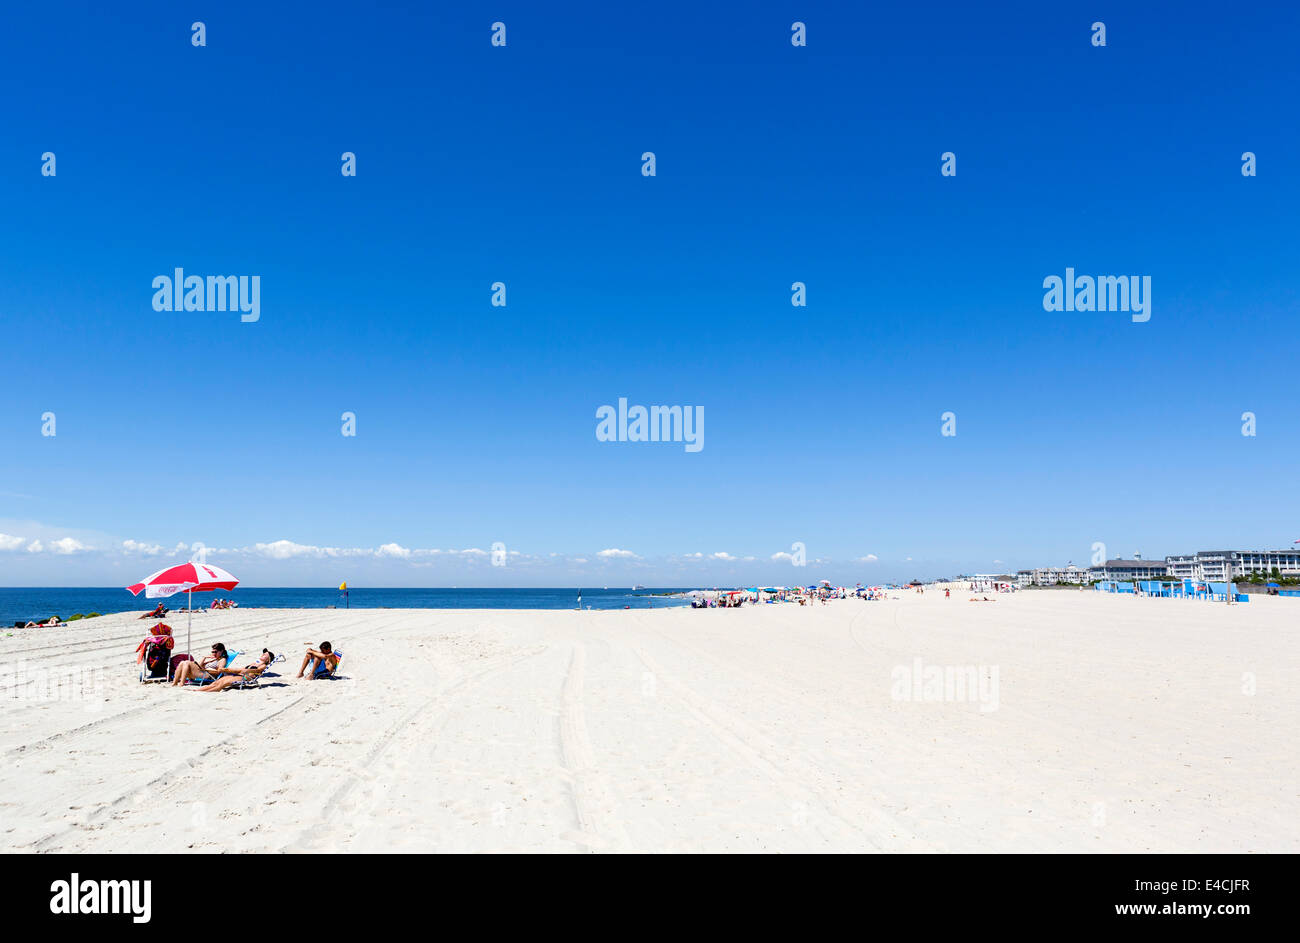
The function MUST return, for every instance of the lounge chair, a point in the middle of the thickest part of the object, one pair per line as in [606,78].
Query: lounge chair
[154,655]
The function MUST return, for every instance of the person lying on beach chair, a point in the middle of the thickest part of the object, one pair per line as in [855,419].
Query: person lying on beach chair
[322,661]
[209,667]
[232,677]
[158,612]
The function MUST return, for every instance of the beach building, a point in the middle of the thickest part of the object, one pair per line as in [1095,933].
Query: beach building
[1052,575]
[1129,570]
[1227,565]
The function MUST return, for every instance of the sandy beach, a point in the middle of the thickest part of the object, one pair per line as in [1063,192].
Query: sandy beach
[1098,724]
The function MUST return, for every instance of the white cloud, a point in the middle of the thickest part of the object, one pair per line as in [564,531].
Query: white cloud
[35,547]
[869,558]
[288,549]
[66,545]
[285,550]
[613,552]
[782,555]
[721,555]
[10,543]
[135,546]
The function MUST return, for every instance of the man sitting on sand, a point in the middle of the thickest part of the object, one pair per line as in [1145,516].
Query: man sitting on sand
[210,666]
[229,677]
[318,658]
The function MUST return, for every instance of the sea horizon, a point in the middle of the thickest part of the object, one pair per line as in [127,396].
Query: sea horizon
[39,603]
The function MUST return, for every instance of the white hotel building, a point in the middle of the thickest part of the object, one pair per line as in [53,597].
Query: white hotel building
[1219,566]
[1051,575]
[1223,566]
[1128,571]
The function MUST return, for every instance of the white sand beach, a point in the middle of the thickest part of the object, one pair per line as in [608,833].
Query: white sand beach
[1117,724]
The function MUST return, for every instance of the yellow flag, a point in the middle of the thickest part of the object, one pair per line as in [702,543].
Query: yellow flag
[343,587]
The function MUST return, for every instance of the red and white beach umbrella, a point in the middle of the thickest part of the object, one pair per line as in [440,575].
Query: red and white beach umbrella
[185,578]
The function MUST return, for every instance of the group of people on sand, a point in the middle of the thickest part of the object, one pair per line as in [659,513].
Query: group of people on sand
[727,602]
[224,604]
[215,668]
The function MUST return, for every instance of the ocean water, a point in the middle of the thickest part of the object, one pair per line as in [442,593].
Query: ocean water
[40,603]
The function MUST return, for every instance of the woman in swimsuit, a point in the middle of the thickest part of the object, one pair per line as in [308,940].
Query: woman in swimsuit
[210,666]
[228,677]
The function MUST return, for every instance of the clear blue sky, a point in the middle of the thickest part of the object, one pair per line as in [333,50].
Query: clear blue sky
[522,164]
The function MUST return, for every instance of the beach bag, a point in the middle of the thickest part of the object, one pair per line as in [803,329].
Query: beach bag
[154,654]
[157,659]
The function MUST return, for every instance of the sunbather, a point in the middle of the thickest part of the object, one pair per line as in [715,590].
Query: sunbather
[209,667]
[228,677]
[318,658]
[158,612]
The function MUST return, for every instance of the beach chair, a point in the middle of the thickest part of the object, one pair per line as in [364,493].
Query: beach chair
[155,665]
[154,654]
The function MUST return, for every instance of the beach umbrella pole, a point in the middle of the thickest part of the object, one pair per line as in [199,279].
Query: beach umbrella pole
[189,619]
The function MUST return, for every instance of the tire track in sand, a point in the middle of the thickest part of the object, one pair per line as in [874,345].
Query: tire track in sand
[417,725]
[594,801]
[795,776]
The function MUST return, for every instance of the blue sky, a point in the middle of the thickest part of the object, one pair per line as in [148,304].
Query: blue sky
[522,164]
